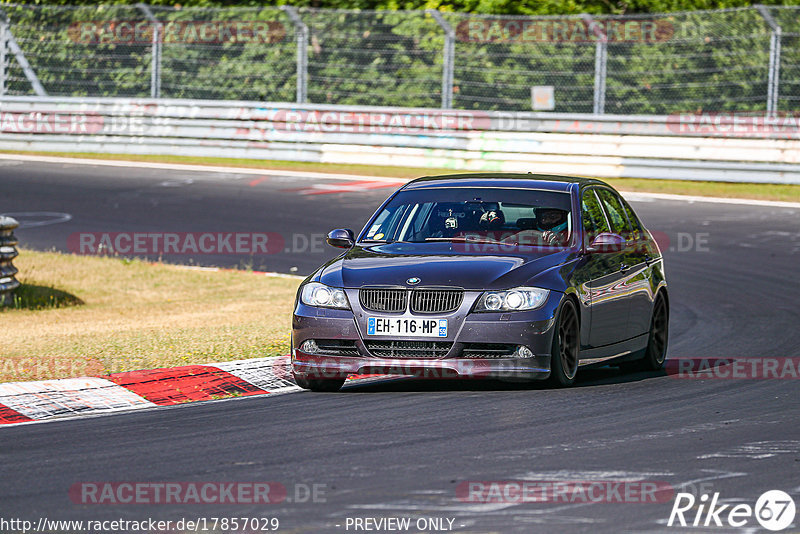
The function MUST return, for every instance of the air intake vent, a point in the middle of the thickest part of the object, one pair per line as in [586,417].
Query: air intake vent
[338,347]
[383,300]
[409,349]
[488,350]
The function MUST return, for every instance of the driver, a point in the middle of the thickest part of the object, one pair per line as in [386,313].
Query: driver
[552,222]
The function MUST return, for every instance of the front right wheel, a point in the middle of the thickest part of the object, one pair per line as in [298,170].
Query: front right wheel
[566,344]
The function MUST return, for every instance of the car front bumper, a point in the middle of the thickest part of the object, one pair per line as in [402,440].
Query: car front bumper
[530,329]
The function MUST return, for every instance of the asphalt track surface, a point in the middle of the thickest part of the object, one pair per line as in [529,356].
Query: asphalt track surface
[401,448]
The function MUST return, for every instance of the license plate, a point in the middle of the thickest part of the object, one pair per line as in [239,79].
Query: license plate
[405,326]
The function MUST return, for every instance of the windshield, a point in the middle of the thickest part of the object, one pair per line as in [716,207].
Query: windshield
[508,216]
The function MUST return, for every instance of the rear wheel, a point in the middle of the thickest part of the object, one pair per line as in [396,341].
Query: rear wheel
[566,344]
[656,351]
[319,384]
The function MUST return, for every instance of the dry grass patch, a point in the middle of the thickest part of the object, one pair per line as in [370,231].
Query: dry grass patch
[110,315]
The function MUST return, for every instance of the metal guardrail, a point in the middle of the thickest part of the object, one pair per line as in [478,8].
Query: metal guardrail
[722,148]
[8,251]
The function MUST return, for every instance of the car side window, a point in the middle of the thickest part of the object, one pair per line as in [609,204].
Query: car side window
[634,221]
[615,212]
[594,222]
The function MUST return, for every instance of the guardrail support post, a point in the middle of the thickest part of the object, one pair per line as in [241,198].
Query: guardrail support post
[301,37]
[448,58]
[773,76]
[8,252]
[600,66]
[155,59]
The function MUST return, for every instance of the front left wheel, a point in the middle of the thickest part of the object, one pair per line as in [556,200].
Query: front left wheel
[319,384]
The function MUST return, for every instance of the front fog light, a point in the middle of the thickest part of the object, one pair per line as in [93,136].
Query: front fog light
[523,352]
[309,346]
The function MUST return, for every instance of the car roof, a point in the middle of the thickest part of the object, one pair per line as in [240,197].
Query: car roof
[551,182]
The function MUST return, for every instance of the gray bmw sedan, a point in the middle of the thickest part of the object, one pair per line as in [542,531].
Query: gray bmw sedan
[516,276]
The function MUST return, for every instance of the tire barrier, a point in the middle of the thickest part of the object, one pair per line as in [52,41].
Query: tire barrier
[8,251]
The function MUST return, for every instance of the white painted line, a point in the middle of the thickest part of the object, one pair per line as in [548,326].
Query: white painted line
[194,168]
[333,176]
[47,218]
[636,195]
[271,274]
[281,275]
[68,396]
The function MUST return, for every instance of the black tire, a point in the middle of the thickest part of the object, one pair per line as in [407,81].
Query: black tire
[656,351]
[566,346]
[319,384]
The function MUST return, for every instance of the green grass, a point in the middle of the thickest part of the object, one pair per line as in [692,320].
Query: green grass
[790,193]
[89,316]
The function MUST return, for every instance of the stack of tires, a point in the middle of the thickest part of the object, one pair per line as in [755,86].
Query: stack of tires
[8,251]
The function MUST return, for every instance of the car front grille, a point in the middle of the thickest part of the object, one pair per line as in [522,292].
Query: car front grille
[488,350]
[436,300]
[395,300]
[383,299]
[409,349]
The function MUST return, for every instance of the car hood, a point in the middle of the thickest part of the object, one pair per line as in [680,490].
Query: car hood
[437,264]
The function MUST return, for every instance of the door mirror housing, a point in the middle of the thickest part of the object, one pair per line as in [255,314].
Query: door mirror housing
[607,242]
[341,238]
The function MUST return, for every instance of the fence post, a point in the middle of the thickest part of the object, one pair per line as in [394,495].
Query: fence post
[155,60]
[448,58]
[600,66]
[301,31]
[3,66]
[773,76]
[22,61]
[8,252]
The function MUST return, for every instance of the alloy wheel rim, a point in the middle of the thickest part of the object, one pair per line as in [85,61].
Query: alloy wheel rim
[658,332]
[568,342]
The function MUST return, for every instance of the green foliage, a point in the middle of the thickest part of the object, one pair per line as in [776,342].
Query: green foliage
[697,61]
[494,7]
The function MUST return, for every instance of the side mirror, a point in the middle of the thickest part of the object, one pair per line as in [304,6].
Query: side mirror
[341,238]
[607,242]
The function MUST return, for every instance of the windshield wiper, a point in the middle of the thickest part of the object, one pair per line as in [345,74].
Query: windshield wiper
[477,240]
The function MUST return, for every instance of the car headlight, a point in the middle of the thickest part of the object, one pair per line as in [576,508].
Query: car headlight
[517,299]
[316,294]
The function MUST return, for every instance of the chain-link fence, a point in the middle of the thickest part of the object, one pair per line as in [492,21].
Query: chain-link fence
[744,59]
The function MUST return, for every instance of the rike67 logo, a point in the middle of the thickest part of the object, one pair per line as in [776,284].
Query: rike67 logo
[774,510]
